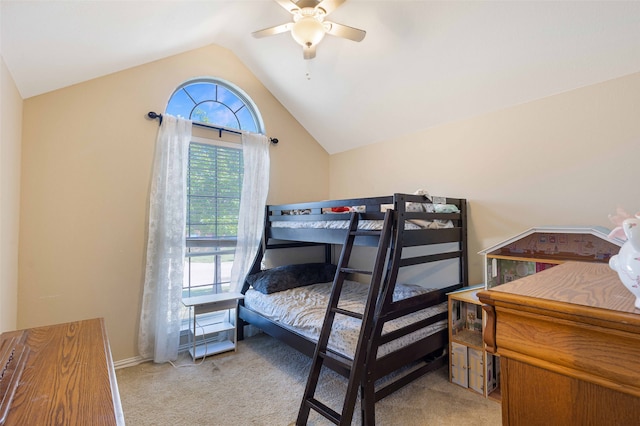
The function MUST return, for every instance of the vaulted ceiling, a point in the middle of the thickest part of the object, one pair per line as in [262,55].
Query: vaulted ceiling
[422,63]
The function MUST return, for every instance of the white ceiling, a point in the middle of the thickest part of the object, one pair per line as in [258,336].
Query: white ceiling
[422,63]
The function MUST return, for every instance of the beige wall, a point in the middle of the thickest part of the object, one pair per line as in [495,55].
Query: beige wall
[10,135]
[87,155]
[569,159]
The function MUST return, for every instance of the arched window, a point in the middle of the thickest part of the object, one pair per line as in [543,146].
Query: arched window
[215,102]
[214,179]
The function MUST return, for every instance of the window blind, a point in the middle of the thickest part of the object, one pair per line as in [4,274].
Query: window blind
[214,184]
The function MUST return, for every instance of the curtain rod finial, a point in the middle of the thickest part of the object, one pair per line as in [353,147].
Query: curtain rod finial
[153,115]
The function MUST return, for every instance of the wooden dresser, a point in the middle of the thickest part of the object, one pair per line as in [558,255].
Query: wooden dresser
[63,375]
[569,342]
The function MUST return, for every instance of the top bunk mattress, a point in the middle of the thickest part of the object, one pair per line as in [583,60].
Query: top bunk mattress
[367,225]
[330,217]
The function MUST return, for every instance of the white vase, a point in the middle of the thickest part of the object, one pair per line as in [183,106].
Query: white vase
[627,262]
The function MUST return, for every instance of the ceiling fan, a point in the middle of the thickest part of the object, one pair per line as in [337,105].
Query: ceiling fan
[309,27]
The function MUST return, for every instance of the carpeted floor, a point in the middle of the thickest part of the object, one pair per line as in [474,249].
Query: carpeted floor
[262,383]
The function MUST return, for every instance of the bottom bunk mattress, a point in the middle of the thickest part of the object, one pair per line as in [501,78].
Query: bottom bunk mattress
[302,310]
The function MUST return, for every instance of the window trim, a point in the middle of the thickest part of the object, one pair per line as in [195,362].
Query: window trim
[216,142]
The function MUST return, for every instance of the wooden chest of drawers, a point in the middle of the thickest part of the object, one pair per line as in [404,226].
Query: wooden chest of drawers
[569,342]
[66,376]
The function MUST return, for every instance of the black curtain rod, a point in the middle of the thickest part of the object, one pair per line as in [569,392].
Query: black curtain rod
[153,115]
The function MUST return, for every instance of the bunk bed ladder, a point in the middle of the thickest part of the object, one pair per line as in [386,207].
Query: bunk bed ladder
[322,355]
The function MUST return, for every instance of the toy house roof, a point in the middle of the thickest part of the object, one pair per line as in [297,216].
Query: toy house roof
[598,231]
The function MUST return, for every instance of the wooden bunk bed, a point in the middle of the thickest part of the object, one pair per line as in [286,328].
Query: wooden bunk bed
[408,335]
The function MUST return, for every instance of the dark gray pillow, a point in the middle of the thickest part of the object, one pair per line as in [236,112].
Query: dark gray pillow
[291,276]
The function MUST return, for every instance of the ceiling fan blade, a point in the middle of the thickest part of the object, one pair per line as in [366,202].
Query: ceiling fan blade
[273,30]
[345,31]
[309,52]
[288,5]
[330,5]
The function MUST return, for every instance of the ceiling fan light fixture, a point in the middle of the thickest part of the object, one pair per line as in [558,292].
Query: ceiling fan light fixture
[308,31]
[309,27]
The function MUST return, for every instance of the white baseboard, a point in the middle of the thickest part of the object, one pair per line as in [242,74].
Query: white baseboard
[130,362]
[250,330]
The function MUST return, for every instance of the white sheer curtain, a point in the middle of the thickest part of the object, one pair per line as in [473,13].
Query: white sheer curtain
[159,333]
[255,186]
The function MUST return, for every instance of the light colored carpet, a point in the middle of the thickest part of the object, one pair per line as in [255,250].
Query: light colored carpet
[262,384]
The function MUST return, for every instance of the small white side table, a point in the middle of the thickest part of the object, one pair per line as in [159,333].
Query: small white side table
[212,303]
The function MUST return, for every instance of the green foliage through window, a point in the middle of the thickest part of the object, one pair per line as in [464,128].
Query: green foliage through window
[214,184]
